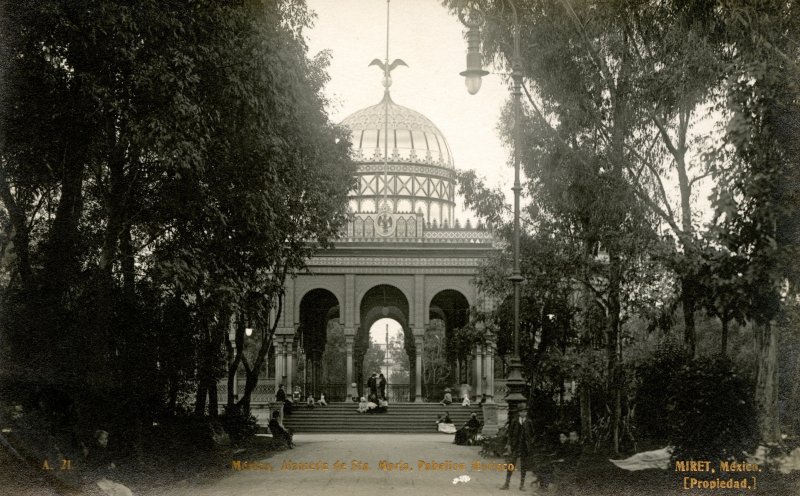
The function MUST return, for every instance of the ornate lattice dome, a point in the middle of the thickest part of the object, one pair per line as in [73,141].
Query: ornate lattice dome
[418,176]
[413,138]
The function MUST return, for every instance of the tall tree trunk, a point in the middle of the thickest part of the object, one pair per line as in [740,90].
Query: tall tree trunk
[724,340]
[767,382]
[20,234]
[686,236]
[613,344]
[687,302]
[200,397]
[234,352]
[586,413]
[267,338]
[104,344]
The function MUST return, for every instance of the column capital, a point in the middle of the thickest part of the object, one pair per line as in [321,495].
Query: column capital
[284,331]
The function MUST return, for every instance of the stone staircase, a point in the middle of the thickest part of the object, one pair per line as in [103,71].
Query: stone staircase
[401,418]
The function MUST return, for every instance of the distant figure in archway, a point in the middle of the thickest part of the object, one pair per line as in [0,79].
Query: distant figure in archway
[372,385]
[382,387]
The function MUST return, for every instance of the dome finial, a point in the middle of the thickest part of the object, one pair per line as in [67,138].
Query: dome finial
[385,66]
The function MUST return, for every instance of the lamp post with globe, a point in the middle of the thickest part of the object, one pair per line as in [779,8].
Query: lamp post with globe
[470,15]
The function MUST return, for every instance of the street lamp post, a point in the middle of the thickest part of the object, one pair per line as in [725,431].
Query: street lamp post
[472,20]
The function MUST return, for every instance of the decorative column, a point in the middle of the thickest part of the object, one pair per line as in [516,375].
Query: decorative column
[490,352]
[278,361]
[490,420]
[349,335]
[418,342]
[289,365]
[478,371]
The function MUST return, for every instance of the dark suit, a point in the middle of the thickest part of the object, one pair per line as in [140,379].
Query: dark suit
[373,386]
[520,442]
[381,388]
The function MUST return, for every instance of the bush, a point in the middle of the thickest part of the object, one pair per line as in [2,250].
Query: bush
[655,378]
[238,425]
[495,446]
[711,412]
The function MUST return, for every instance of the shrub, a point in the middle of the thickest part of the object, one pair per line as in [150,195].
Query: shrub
[238,425]
[655,377]
[711,412]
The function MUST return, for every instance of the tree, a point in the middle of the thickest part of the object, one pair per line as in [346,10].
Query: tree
[613,94]
[373,358]
[401,365]
[335,348]
[153,219]
[435,366]
[757,171]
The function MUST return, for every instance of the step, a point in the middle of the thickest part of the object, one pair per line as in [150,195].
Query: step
[401,417]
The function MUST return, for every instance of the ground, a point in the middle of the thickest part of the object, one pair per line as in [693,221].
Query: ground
[368,450]
[195,472]
[599,477]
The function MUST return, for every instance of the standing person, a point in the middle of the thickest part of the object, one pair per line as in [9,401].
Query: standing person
[519,445]
[280,397]
[372,385]
[382,387]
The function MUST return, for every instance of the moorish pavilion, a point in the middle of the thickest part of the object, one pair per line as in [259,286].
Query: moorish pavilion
[403,255]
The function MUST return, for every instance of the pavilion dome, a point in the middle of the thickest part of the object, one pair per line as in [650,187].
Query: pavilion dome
[413,138]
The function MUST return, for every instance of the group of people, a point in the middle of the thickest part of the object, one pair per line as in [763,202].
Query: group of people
[376,401]
[520,447]
[289,402]
[466,434]
[447,399]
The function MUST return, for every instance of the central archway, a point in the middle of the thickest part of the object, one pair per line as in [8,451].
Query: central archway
[380,302]
[386,355]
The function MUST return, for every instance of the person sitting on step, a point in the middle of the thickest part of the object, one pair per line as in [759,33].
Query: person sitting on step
[446,424]
[466,434]
[322,401]
[372,404]
[362,405]
[279,432]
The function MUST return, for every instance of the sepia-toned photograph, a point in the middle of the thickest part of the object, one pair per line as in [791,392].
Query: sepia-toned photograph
[412,247]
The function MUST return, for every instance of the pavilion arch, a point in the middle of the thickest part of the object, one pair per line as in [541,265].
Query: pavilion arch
[375,294]
[452,307]
[313,292]
[435,287]
[317,307]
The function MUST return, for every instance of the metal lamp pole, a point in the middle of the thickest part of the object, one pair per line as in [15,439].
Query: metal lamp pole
[515,382]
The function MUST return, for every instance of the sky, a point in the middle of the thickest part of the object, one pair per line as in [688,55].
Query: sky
[431,42]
